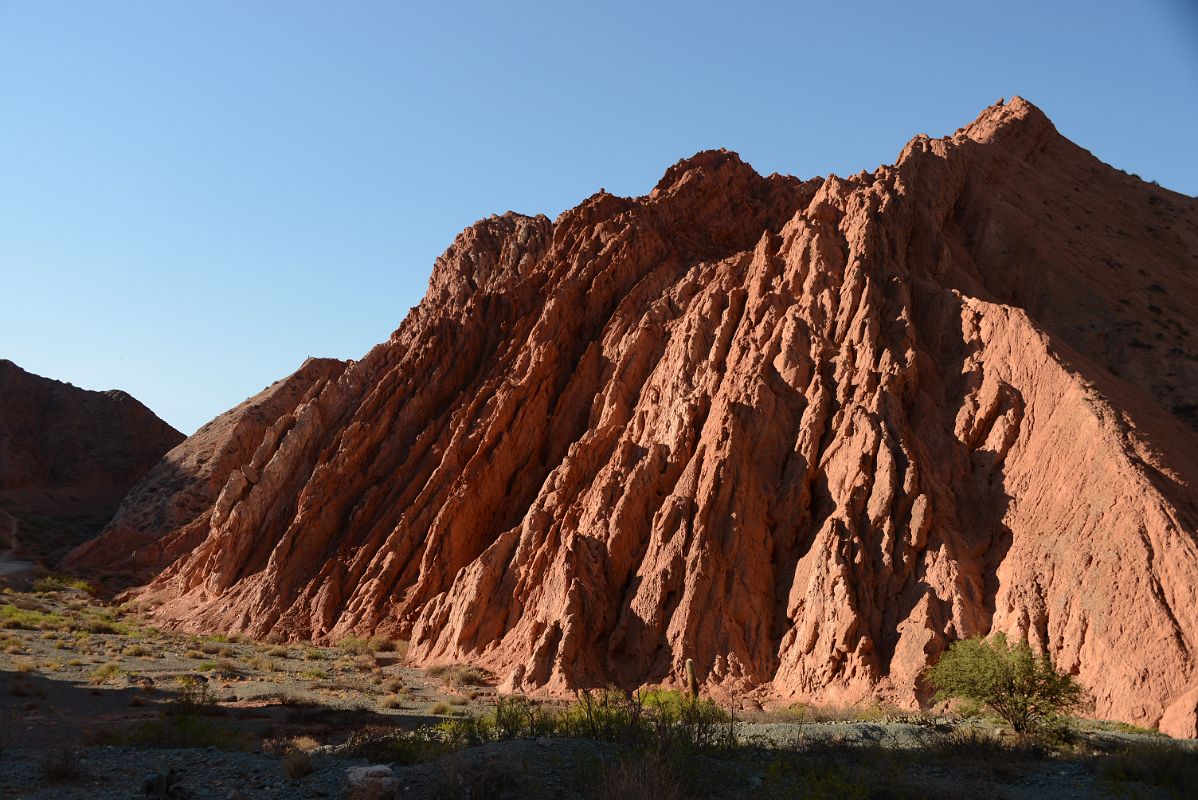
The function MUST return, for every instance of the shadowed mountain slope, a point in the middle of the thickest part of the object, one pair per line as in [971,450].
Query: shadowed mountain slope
[67,457]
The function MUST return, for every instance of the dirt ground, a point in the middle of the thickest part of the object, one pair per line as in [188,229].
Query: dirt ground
[95,703]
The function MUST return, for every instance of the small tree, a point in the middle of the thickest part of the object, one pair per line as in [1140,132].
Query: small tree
[1010,679]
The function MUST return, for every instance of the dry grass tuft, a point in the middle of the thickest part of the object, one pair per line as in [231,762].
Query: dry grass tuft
[61,766]
[297,764]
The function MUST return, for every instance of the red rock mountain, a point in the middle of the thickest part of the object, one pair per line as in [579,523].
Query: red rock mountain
[168,512]
[67,457]
[804,432]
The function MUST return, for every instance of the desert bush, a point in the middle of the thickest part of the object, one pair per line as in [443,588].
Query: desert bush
[278,651]
[61,766]
[495,779]
[29,619]
[606,715]
[355,644]
[460,675]
[228,665]
[262,664]
[105,674]
[93,620]
[391,701]
[640,777]
[1024,689]
[682,723]
[180,730]
[516,716]
[1165,765]
[193,694]
[296,764]
[386,744]
[469,730]
[59,583]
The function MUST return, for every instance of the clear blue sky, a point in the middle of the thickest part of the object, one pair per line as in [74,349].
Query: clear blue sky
[196,196]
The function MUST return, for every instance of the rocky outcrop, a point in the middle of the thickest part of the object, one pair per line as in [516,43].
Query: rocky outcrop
[167,513]
[67,457]
[803,432]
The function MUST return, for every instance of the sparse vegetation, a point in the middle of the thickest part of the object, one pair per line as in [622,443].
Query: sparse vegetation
[61,765]
[604,744]
[59,583]
[179,730]
[193,693]
[30,619]
[107,673]
[391,701]
[1167,766]
[296,764]
[460,675]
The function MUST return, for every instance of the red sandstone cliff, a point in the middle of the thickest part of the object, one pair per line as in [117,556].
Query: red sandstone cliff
[168,512]
[805,433]
[67,457]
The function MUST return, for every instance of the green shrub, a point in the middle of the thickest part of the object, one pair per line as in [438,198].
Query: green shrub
[29,620]
[356,645]
[1022,688]
[467,731]
[386,744]
[516,716]
[105,674]
[193,693]
[59,583]
[99,621]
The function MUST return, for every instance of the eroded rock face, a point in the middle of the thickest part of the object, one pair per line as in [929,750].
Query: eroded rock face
[67,457]
[167,512]
[803,432]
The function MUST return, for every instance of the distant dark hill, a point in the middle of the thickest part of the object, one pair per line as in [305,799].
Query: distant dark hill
[67,458]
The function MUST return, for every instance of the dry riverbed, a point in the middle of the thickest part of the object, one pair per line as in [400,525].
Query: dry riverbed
[95,703]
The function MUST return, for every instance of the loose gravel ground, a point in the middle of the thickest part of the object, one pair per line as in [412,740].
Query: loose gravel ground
[91,707]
